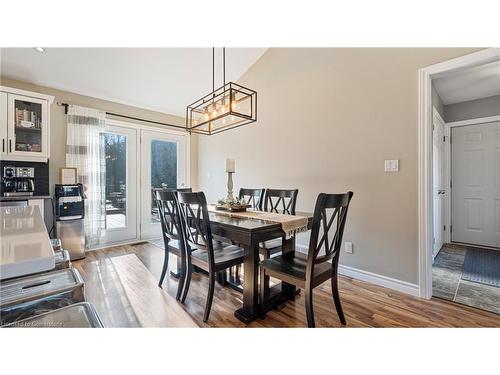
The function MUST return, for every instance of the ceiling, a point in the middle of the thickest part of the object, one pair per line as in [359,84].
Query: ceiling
[161,79]
[474,83]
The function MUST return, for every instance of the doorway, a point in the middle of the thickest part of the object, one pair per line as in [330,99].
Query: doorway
[466,270]
[426,187]
[137,159]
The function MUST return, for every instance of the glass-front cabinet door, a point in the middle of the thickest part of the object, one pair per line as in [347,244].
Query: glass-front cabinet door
[27,126]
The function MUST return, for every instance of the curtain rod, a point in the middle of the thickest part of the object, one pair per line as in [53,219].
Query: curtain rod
[65,105]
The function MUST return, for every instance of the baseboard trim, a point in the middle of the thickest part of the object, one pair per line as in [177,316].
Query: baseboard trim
[373,278]
[381,280]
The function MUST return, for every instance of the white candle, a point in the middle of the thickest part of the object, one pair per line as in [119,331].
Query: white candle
[230,165]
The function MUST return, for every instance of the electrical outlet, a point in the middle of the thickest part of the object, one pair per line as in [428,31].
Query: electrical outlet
[348,247]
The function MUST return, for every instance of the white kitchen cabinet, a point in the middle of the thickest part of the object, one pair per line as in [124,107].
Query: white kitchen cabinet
[25,125]
[3,124]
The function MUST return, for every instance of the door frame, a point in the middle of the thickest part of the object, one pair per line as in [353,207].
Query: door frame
[425,208]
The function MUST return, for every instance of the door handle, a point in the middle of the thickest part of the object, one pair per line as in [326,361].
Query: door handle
[3,144]
[10,145]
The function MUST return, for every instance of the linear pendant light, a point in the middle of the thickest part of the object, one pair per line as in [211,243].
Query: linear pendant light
[225,108]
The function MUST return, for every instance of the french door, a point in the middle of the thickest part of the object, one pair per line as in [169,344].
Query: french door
[120,158]
[163,164]
[137,160]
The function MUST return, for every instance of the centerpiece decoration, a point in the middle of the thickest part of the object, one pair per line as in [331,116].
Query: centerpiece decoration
[230,203]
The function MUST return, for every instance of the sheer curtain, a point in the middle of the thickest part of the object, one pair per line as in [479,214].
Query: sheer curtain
[85,151]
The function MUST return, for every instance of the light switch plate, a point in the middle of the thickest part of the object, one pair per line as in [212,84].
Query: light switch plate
[391,166]
[348,247]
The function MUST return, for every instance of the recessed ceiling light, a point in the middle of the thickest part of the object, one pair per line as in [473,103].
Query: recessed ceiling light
[40,49]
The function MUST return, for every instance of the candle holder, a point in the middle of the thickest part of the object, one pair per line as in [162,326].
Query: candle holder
[230,186]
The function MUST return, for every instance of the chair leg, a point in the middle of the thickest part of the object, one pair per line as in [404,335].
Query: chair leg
[210,296]
[181,271]
[336,300]
[309,307]
[237,274]
[264,292]
[187,282]
[222,277]
[165,266]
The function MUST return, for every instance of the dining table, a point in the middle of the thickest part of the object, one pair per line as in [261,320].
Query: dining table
[249,233]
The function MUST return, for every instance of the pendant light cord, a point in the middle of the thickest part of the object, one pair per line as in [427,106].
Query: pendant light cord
[224,65]
[213,71]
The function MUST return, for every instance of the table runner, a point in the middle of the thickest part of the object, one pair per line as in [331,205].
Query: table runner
[291,224]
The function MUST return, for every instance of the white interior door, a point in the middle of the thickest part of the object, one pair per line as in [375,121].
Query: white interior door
[163,164]
[120,148]
[476,184]
[438,184]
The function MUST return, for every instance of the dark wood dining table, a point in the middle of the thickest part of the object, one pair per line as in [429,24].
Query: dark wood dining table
[249,233]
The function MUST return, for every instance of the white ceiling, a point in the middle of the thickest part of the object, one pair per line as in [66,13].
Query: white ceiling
[161,79]
[470,84]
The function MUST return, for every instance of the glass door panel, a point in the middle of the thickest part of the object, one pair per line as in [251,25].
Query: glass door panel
[120,183]
[163,160]
[163,169]
[27,125]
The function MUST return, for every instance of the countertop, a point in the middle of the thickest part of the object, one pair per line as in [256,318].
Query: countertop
[25,246]
[25,198]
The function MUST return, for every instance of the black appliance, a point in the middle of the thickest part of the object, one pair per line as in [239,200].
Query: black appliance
[18,181]
[70,213]
[69,202]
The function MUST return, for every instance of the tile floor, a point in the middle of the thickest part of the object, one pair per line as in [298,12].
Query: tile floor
[448,284]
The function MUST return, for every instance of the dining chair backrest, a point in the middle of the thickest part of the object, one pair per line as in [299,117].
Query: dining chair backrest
[282,201]
[166,202]
[195,222]
[327,229]
[253,197]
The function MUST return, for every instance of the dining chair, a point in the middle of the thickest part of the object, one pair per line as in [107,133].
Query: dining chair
[165,200]
[253,197]
[309,270]
[200,248]
[281,201]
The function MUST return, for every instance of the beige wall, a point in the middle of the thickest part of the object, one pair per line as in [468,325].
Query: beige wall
[327,119]
[58,123]
[484,107]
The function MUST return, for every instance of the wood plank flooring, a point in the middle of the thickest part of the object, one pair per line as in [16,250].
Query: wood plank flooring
[121,282]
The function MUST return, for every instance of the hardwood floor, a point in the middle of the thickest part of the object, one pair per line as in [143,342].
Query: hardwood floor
[121,282]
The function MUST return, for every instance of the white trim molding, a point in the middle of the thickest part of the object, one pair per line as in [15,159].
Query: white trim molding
[381,280]
[373,278]
[425,230]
